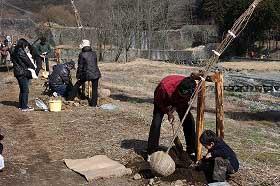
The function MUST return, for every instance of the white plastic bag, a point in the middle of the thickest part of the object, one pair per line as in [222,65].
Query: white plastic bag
[108,107]
[1,162]
[41,104]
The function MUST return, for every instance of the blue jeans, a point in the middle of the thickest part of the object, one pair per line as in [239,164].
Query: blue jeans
[60,89]
[24,91]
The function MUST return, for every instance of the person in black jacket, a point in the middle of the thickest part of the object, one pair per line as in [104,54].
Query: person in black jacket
[220,159]
[87,71]
[60,80]
[24,70]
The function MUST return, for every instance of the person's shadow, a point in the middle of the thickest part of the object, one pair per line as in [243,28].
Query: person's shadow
[139,165]
[9,103]
[139,146]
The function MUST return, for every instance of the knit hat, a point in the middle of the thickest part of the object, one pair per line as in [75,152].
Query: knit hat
[187,86]
[84,43]
[71,64]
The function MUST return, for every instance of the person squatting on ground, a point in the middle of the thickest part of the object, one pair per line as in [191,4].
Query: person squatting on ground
[172,94]
[4,48]
[44,49]
[1,153]
[60,80]
[87,71]
[24,70]
[220,160]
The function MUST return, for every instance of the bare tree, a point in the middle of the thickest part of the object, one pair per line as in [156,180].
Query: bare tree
[95,13]
[124,18]
[121,23]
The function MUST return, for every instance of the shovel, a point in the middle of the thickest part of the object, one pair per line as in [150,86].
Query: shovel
[177,142]
[45,72]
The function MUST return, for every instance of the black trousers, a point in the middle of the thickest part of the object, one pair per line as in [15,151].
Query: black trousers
[216,169]
[24,91]
[3,59]
[93,101]
[188,128]
[47,64]
[1,148]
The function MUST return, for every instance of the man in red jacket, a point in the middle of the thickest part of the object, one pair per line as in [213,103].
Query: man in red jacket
[172,94]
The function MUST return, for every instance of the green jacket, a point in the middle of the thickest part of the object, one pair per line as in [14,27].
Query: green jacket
[43,48]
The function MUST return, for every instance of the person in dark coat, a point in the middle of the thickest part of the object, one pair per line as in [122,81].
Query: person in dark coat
[220,159]
[24,70]
[60,80]
[172,94]
[87,71]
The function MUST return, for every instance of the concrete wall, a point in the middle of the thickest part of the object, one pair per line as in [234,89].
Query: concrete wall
[72,35]
[18,28]
[167,45]
[186,37]
[174,56]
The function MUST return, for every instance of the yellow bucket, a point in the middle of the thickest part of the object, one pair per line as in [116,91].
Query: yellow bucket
[55,105]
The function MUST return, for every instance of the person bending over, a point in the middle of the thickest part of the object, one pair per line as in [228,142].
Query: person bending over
[172,94]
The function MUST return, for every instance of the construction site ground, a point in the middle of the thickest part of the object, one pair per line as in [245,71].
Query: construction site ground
[36,143]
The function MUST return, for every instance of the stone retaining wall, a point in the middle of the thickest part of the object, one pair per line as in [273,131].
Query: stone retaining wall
[166,45]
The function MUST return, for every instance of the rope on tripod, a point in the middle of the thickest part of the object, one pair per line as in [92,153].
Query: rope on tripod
[238,26]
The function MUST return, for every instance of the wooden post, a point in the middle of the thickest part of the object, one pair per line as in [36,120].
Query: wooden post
[89,89]
[219,105]
[199,119]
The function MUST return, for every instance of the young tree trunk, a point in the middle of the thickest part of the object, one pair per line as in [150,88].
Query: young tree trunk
[126,59]
[150,19]
[119,52]
[100,56]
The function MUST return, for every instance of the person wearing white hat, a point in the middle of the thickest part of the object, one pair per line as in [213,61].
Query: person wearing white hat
[85,43]
[87,71]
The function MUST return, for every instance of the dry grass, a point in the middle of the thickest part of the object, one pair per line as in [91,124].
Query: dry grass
[37,142]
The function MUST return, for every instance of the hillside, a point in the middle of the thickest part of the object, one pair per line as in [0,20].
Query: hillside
[177,12]
[36,5]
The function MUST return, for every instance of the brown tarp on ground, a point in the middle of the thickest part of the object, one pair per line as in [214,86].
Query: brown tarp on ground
[99,166]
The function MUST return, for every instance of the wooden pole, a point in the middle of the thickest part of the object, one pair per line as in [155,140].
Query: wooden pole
[89,90]
[199,119]
[219,105]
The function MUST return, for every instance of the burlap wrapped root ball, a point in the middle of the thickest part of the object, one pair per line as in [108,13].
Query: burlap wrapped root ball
[162,164]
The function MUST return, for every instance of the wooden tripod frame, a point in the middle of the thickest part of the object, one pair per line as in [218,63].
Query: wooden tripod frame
[218,79]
